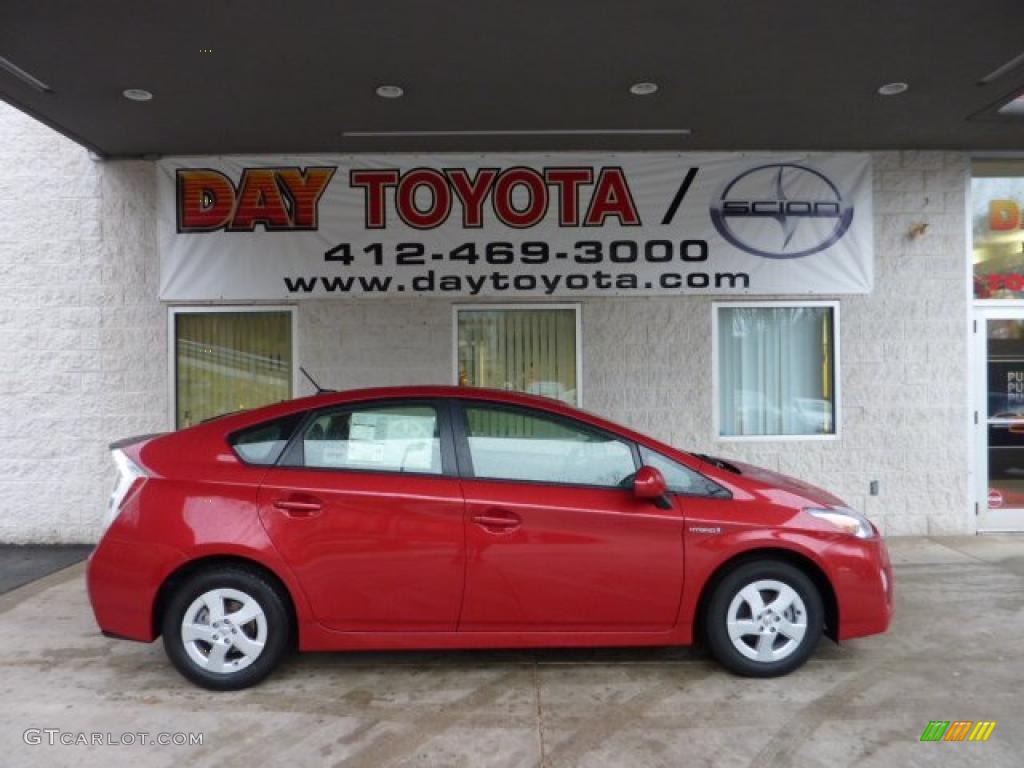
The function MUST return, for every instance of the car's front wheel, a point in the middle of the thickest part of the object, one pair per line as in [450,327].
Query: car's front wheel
[764,619]
[226,628]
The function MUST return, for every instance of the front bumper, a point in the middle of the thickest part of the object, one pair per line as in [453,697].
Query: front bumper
[863,581]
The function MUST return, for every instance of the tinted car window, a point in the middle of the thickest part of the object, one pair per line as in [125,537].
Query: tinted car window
[392,438]
[263,443]
[527,445]
[680,478]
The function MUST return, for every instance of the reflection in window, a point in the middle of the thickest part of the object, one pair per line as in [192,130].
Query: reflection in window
[997,200]
[527,350]
[1005,353]
[230,361]
[776,370]
[401,438]
[520,445]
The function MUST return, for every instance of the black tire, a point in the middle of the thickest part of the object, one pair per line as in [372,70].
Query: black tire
[252,583]
[716,629]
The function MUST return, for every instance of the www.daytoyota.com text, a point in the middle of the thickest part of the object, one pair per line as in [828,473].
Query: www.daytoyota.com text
[475,274]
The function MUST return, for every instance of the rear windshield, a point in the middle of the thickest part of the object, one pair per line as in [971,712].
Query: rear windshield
[263,443]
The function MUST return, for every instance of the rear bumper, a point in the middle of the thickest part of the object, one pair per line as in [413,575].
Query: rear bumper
[863,581]
[123,580]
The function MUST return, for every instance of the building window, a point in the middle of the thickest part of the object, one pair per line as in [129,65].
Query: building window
[997,228]
[776,369]
[230,359]
[533,349]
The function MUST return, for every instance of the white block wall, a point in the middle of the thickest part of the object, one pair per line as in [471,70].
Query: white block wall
[82,337]
[83,351]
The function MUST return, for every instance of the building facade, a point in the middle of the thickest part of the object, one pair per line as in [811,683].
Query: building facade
[90,352]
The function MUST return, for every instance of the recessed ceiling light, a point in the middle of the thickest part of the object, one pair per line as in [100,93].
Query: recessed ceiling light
[137,94]
[643,89]
[390,91]
[893,89]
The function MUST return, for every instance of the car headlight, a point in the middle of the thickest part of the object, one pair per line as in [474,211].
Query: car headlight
[847,520]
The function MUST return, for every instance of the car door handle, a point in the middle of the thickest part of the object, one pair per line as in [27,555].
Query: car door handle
[506,521]
[294,508]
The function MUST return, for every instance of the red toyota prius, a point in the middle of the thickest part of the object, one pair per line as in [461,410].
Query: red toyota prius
[443,517]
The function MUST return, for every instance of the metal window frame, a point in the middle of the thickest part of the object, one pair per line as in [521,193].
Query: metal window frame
[716,417]
[172,363]
[978,312]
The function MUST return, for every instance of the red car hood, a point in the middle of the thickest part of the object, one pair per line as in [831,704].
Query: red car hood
[766,481]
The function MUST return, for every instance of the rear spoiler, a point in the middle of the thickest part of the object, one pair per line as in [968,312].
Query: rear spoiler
[126,441]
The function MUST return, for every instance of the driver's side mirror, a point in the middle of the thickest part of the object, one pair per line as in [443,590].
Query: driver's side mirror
[649,483]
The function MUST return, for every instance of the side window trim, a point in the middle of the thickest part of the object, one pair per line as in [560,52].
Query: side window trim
[460,433]
[446,429]
[292,456]
[465,460]
[285,460]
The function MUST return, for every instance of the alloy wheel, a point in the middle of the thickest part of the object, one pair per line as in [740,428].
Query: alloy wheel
[224,631]
[766,621]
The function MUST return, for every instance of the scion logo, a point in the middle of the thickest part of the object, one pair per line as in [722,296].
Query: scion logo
[807,206]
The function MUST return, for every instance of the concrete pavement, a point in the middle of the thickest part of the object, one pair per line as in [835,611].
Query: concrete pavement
[954,653]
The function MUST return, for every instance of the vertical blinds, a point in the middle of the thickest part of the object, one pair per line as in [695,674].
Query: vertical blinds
[776,370]
[527,350]
[228,361]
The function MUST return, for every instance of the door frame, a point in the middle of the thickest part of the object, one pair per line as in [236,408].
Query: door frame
[984,520]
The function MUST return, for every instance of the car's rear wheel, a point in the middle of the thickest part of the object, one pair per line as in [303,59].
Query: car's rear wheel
[226,628]
[764,619]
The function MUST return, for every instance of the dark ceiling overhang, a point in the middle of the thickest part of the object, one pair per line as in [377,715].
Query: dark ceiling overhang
[300,76]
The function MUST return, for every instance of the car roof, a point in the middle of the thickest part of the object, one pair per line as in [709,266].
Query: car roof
[434,391]
[234,421]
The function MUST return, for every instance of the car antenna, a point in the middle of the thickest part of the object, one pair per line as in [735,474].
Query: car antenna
[319,390]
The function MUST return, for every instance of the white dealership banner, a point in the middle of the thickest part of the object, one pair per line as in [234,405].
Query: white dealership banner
[514,225]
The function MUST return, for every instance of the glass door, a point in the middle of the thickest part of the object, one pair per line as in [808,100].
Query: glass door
[1001,420]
